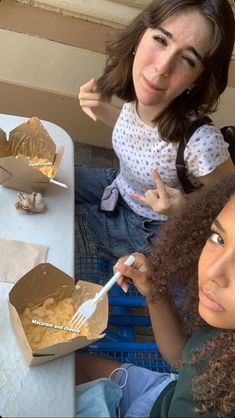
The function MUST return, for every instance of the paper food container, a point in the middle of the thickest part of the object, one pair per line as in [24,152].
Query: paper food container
[21,157]
[36,286]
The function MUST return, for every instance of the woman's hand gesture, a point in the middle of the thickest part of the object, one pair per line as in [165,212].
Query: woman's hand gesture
[138,273]
[96,108]
[163,199]
[89,99]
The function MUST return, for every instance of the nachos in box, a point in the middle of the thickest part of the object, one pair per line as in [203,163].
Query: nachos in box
[29,158]
[41,305]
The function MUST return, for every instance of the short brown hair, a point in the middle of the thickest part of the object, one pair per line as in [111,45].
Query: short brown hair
[117,76]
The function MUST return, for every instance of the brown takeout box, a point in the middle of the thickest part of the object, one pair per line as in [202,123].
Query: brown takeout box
[43,281]
[27,141]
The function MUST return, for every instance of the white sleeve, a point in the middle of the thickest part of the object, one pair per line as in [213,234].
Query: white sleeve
[205,151]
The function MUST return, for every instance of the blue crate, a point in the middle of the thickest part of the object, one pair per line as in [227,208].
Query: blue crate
[120,343]
[98,270]
[141,354]
[121,317]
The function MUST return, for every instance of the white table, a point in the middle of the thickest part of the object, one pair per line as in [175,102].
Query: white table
[46,390]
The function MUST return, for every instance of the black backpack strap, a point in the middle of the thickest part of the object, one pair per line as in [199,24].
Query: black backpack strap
[229,136]
[180,162]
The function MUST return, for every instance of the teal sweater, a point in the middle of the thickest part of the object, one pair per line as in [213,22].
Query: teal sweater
[177,400]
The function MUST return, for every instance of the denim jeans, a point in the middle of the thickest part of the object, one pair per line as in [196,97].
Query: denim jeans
[133,394]
[114,236]
[142,388]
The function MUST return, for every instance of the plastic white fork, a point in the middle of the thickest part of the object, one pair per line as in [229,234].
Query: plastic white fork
[87,309]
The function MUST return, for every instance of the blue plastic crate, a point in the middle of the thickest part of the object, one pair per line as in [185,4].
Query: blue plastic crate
[120,341]
[141,354]
[119,318]
[98,270]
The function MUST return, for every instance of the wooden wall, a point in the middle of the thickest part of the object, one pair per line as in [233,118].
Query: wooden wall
[45,57]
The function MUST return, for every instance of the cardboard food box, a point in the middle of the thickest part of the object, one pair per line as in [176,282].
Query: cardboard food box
[39,284]
[29,159]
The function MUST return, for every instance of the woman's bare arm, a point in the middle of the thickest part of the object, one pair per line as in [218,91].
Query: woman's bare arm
[167,327]
[167,330]
[222,170]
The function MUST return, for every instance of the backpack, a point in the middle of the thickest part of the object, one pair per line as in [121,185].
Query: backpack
[228,133]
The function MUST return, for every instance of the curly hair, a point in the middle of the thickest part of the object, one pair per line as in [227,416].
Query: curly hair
[174,263]
[203,99]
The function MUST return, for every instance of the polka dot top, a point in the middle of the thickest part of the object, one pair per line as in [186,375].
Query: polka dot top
[140,149]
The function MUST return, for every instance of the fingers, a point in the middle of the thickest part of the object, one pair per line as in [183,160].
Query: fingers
[89,98]
[140,260]
[123,284]
[161,188]
[163,199]
[152,199]
[130,272]
[88,87]
[89,113]
[139,197]
[135,273]
[160,198]
[152,194]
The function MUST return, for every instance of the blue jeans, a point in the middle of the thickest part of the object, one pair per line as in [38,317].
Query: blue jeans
[141,390]
[133,393]
[117,235]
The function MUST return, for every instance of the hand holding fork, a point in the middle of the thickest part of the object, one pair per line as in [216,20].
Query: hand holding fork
[87,309]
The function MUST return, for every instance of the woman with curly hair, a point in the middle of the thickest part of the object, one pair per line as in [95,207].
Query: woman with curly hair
[170,66]
[192,310]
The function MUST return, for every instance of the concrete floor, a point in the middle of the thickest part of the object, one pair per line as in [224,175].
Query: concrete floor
[93,156]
